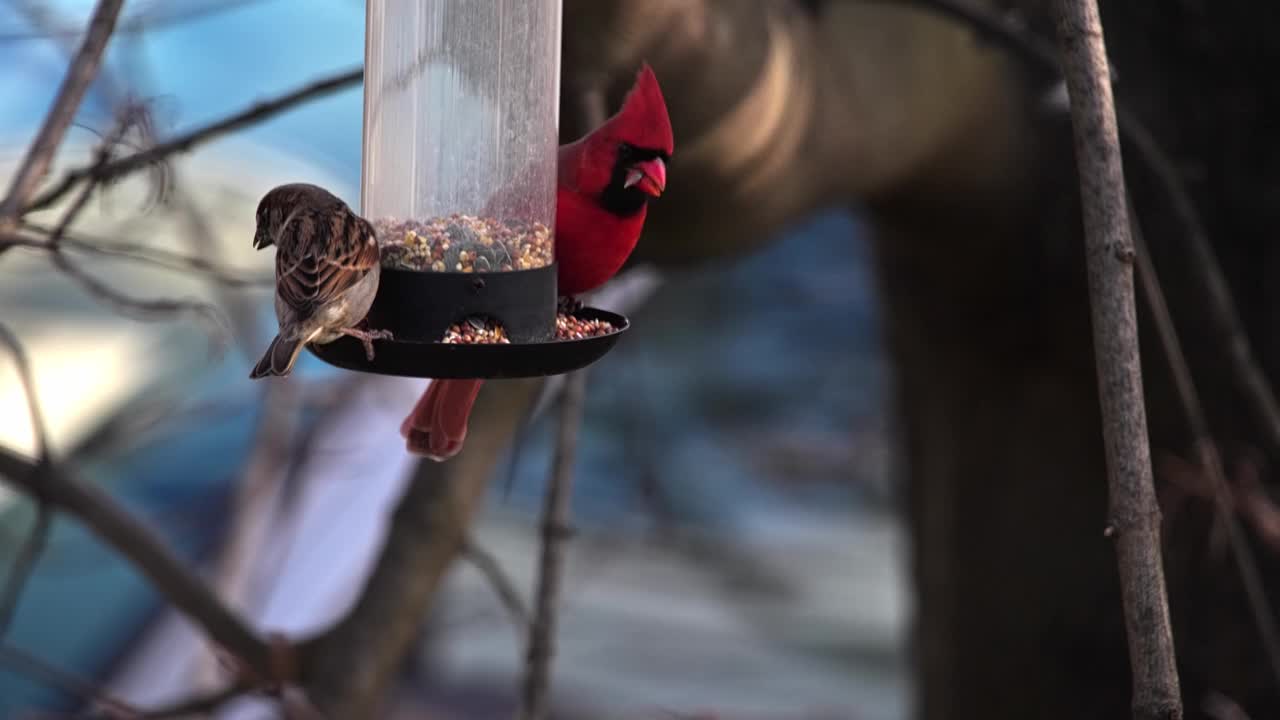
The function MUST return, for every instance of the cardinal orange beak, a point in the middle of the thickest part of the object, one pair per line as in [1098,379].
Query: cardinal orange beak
[648,175]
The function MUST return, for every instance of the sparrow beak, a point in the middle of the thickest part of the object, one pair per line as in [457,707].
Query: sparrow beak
[649,175]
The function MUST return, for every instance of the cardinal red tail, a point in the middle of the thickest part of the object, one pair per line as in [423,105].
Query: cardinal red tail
[437,426]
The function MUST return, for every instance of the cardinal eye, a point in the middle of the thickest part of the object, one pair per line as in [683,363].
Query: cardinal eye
[626,150]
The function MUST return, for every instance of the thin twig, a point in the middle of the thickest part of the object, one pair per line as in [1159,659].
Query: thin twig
[69,217]
[555,533]
[1001,30]
[118,301]
[1225,318]
[130,115]
[134,24]
[257,502]
[1217,706]
[38,427]
[1135,516]
[1207,451]
[198,706]
[148,553]
[29,553]
[33,667]
[77,81]
[1253,384]
[135,307]
[256,505]
[145,255]
[201,238]
[185,142]
[23,565]
[488,565]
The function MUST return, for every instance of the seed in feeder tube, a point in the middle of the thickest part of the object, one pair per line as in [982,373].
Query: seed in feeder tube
[464,243]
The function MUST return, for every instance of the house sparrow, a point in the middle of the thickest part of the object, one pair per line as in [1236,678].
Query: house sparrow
[327,269]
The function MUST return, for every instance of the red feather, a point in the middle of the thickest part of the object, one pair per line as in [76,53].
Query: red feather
[592,243]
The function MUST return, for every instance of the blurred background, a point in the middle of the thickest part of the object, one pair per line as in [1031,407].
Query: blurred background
[846,464]
[737,550]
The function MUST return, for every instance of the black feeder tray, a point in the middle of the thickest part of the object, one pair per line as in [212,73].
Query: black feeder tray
[418,308]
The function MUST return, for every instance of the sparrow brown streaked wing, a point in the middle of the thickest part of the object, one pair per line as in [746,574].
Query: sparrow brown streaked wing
[327,271]
[321,256]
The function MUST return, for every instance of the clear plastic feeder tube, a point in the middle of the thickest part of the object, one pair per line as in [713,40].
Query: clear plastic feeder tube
[461,108]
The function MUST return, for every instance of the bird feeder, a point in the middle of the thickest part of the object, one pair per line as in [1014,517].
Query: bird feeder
[461,112]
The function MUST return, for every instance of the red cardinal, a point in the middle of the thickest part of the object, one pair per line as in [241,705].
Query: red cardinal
[605,181]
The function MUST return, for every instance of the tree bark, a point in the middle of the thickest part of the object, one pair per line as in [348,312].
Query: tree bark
[1110,254]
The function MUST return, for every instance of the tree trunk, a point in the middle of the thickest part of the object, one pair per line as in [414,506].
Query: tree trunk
[1018,602]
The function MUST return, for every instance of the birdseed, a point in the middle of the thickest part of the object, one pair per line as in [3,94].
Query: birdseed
[479,331]
[476,331]
[571,327]
[464,243]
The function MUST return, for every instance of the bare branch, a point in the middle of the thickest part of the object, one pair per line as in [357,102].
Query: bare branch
[254,114]
[33,667]
[201,238]
[29,665]
[1207,451]
[348,667]
[23,564]
[1252,381]
[135,307]
[145,255]
[1135,516]
[120,302]
[77,206]
[130,115]
[1217,706]
[1002,30]
[148,553]
[503,587]
[25,376]
[77,81]
[255,507]
[555,533]
[199,706]
[128,25]
[29,553]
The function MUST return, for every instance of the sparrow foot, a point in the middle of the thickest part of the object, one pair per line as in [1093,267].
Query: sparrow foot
[366,338]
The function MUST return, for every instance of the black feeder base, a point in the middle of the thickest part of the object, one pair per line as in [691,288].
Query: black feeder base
[419,307]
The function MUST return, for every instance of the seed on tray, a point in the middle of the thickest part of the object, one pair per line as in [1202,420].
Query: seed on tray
[475,331]
[571,327]
[479,331]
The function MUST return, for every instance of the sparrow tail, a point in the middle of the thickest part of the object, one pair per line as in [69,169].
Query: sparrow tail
[279,358]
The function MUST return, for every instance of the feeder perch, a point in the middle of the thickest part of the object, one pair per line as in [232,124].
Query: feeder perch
[461,112]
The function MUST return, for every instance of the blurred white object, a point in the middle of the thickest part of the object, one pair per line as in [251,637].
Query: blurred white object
[86,357]
[319,556]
